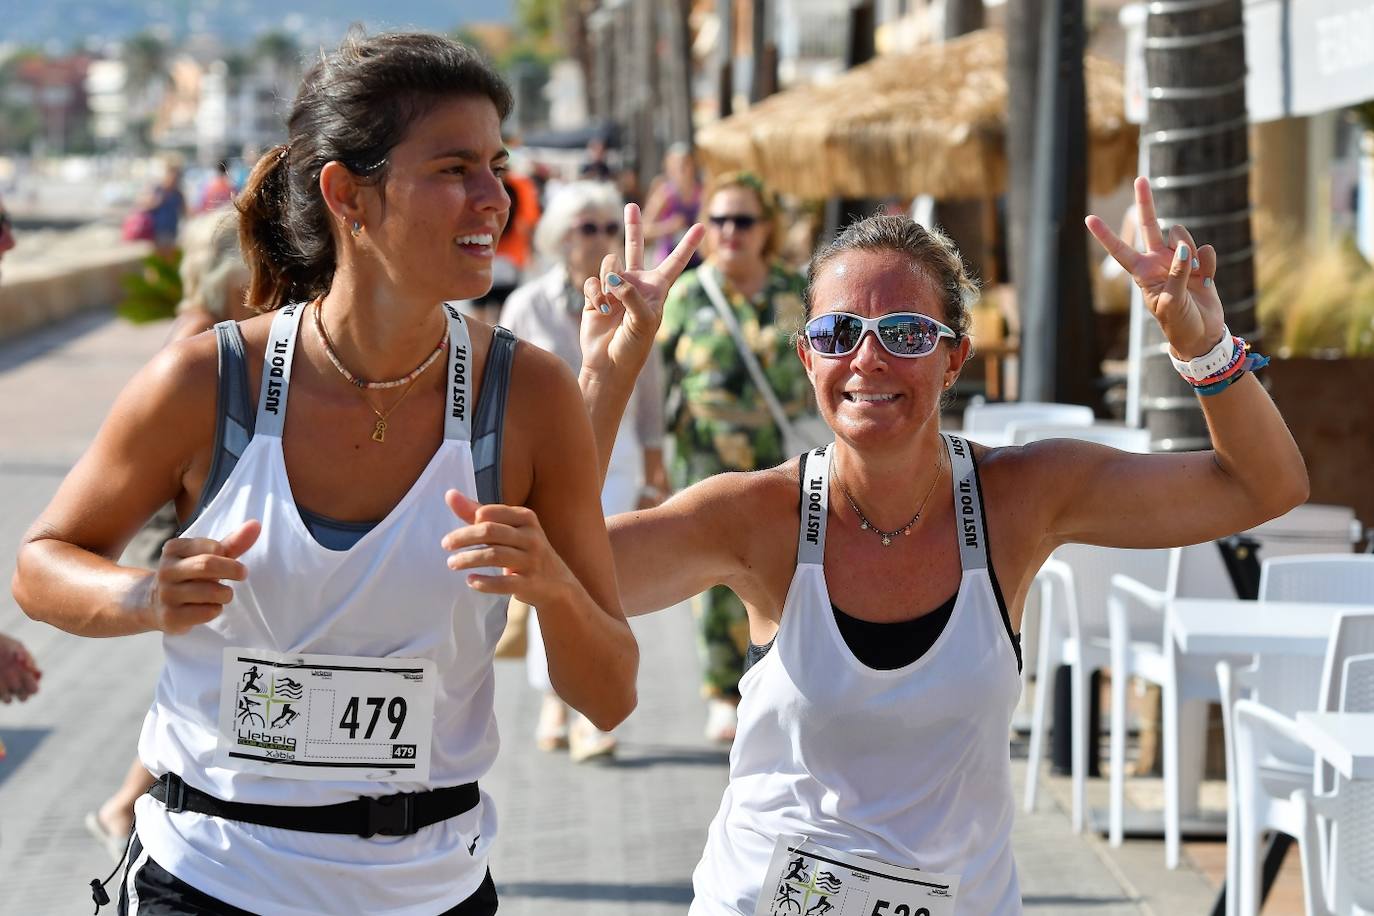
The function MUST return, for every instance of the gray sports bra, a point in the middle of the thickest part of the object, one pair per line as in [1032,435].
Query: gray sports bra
[236,416]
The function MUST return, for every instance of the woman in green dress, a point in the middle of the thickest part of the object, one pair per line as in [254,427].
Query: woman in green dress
[716,418]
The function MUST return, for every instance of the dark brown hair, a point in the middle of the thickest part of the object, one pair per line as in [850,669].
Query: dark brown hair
[929,250]
[354,106]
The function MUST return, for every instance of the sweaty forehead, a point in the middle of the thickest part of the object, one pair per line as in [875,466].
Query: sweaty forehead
[875,282]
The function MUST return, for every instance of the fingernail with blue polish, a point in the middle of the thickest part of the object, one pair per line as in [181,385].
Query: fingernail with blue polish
[605,309]
[1206,281]
[614,279]
[1182,251]
[1196,263]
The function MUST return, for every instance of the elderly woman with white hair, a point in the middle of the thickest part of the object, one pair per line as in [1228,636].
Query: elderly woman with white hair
[582,224]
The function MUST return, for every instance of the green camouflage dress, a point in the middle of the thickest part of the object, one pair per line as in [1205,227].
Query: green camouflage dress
[718,421]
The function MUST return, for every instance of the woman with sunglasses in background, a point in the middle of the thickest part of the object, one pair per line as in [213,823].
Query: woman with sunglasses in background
[885,575]
[716,416]
[584,223]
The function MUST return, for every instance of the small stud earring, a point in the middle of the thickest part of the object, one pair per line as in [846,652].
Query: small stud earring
[357,229]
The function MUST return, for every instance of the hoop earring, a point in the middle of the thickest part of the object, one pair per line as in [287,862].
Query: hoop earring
[357,229]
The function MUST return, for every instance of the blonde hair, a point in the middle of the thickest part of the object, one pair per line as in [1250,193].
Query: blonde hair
[768,205]
[212,265]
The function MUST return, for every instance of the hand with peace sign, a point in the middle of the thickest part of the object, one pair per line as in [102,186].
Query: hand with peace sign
[1176,278]
[624,305]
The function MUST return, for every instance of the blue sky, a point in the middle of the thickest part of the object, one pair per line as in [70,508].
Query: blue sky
[66,22]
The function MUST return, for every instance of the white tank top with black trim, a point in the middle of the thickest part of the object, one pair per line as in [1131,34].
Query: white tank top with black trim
[909,766]
[389,595]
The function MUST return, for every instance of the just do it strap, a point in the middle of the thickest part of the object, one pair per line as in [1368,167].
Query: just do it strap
[458,407]
[276,370]
[815,504]
[968,505]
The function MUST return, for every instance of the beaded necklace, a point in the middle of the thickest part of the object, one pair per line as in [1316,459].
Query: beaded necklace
[374,386]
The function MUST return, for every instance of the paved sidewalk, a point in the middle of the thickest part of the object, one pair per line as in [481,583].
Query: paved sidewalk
[594,839]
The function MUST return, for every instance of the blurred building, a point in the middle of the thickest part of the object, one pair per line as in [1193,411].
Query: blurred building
[53,90]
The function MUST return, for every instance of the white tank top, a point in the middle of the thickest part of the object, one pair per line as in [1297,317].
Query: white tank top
[910,766]
[391,594]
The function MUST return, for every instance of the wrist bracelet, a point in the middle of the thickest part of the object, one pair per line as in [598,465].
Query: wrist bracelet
[1210,363]
[1249,364]
[1242,349]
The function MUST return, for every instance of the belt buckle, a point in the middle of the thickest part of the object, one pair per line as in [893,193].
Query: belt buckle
[388,815]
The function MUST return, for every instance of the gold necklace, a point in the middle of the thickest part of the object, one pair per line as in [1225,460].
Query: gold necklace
[887,536]
[378,431]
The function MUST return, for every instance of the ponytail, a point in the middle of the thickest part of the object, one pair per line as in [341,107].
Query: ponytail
[279,270]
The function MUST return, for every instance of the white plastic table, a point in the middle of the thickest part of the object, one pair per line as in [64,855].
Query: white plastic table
[1343,739]
[1230,626]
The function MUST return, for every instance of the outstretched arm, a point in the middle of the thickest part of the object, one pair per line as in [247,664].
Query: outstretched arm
[695,540]
[1254,471]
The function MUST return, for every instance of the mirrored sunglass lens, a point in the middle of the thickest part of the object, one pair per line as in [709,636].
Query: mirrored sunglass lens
[848,331]
[821,332]
[907,335]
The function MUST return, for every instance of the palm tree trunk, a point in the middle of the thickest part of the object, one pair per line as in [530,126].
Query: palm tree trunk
[1199,166]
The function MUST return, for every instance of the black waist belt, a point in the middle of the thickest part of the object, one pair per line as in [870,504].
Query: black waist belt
[388,815]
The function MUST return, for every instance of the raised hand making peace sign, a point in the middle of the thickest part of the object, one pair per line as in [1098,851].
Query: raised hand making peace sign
[1176,277]
[625,305]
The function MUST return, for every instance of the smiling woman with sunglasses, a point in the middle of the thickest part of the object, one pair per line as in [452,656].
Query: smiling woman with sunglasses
[717,417]
[885,575]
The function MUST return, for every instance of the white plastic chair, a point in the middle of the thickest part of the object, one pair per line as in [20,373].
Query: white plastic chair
[1284,685]
[1348,874]
[1266,755]
[1072,590]
[987,423]
[1186,682]
[1126,438]
[1351,808]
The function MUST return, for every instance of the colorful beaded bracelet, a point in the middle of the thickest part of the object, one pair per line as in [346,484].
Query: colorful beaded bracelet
[1252,362]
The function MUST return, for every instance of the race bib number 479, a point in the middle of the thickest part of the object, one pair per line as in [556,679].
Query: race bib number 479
[808,879]
[331,717]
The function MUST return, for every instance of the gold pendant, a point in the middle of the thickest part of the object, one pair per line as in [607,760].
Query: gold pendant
[379,433]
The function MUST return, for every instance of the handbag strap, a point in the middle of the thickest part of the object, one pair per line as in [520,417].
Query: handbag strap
[707,277]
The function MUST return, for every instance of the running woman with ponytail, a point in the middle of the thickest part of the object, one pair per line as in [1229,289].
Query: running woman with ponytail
[885,574]
[365,478]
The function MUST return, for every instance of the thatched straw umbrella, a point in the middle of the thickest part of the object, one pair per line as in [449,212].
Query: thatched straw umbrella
[930,122]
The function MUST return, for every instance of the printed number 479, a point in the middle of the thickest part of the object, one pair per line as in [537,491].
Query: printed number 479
[880,909]
[395,714]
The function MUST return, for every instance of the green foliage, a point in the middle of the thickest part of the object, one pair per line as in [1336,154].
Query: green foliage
[152,294]
[538,19]
[145,56]
[1316,301]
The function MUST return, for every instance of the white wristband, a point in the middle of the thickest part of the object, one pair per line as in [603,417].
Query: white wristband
[1209,363]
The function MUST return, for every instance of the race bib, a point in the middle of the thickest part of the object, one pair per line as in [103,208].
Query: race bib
[807,879]
[327,717]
